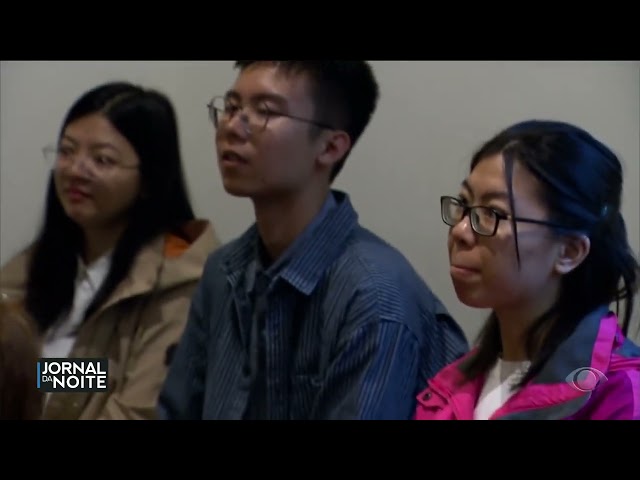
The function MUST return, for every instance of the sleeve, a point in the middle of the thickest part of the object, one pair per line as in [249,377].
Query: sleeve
[182,394]
[374,373]
[160,330]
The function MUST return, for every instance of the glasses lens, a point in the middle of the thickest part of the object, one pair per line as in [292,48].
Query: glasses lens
[50,154]
[483,220]
[262,114]
[216,110]
[61,158]
[254,116]
[452,211]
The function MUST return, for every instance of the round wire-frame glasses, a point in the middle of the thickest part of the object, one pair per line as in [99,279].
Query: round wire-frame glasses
[255,117]
[94,166]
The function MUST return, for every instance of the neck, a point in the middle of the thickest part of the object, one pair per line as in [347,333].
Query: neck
[280,220]
[515,322]
[98,241]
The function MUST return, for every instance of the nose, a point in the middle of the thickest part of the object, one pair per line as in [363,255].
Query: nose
[78,167]
[237,126]
[462,231]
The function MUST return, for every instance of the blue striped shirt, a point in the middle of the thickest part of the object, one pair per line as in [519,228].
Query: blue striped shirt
[342,328]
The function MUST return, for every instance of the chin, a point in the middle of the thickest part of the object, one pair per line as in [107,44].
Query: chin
[83,222]
[471,297]
[236,186]
[79,216]
[246,189]
[237,191]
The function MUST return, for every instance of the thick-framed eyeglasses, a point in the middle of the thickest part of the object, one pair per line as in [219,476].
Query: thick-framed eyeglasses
[93,165]
[254,116]
[484,220]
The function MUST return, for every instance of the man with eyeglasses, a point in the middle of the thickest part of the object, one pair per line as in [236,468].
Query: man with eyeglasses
[307,315]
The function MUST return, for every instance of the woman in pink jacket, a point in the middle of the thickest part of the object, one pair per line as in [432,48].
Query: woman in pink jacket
[537,236]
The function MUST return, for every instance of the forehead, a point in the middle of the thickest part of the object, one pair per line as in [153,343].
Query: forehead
[488,174]
[489,178]
[93,128]
[265,78]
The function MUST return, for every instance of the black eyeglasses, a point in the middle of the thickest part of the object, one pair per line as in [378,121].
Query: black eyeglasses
[484,220]
[255,117]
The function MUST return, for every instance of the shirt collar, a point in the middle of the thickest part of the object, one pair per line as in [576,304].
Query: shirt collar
[304,262]
[96,272]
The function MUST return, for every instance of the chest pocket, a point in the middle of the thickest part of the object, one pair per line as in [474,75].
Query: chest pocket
[433,406]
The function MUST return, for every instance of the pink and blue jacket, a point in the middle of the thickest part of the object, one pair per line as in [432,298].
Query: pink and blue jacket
[593,375]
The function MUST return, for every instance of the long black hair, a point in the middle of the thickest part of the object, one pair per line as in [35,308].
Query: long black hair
[146,118]
[581,184]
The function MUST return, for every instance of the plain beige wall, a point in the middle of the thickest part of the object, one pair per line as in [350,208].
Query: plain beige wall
[431,116]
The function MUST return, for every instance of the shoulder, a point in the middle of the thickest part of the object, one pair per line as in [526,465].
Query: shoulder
[617,392]
[193,241]
[617,396]
[182,252]
[367,257]
[227,258]
[368,263]
[19,261]
[14,274]
[374,278]
[217,259]
[623,375]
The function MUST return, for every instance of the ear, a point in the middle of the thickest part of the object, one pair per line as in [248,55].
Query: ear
[334,146]
[573,250]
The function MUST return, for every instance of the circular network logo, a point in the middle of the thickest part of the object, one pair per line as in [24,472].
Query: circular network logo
[586,379]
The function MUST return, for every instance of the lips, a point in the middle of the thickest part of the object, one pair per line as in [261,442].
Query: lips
[229,156]
[465,268]
[462,272]
[76,194]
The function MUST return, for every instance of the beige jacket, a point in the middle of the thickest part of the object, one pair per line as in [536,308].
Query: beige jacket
[141,321]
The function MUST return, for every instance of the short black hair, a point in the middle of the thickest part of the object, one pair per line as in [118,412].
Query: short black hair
[345,94]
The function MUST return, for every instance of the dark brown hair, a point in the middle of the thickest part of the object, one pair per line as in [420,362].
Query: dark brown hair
[19,352]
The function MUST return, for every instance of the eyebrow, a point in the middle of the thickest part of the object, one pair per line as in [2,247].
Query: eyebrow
[487,196]
[94,146]
[259,97]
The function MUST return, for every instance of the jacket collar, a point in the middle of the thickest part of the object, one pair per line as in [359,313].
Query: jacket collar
[153,270]
[589,346]
[556,391]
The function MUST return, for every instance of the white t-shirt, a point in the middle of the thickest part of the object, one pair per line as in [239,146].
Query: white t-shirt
[497,388]
[60,338]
